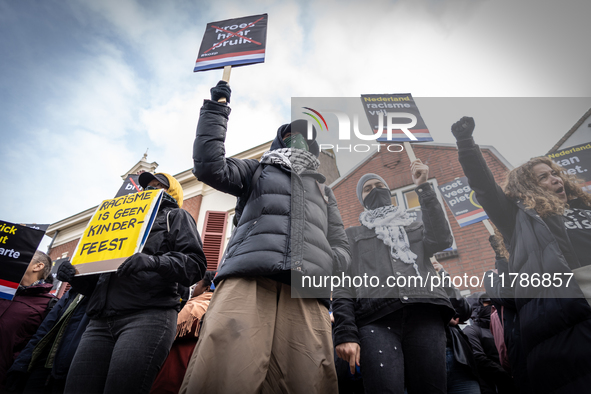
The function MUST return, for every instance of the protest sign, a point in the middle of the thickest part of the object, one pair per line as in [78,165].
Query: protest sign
[130,185]
[233,42]
[118,229]
[17,247]
[461,200]
[576,161]
[396,115]
[42,227]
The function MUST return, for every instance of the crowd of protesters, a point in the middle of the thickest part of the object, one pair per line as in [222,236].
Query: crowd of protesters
[156,325]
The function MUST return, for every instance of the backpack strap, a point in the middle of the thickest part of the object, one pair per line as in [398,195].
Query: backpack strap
[243,199]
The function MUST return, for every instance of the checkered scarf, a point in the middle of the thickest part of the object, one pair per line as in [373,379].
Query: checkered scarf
[296,159]
[388,222]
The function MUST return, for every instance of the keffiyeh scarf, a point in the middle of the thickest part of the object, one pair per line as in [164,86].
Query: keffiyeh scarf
[388,222]
[296,159]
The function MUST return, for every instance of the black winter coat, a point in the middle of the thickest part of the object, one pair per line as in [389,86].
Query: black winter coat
[355,307]
[290,223]
[555,321]
[182,261]
[70,338]
[502,297]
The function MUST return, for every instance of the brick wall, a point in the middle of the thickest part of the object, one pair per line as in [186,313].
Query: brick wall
[475,255]
[56,253]
[193,205]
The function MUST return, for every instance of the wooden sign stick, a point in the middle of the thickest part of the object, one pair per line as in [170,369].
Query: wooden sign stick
[488,227]
[225,77]
[409,151]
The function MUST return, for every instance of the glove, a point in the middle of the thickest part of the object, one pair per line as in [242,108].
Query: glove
[66,272]
[222,89]
[463,128]
[138,262]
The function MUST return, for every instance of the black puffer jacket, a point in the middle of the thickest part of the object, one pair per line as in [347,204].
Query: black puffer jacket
[555,321]
[181,261]
[355,307]
[287,225]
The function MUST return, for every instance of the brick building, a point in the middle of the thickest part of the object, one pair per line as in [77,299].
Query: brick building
[471,253]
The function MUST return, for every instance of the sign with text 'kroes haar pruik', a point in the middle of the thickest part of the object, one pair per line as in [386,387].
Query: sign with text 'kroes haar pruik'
[233,42]
[118,229]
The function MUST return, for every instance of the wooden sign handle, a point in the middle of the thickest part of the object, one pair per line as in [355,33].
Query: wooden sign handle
[225,77]
[488,227]
[409,151]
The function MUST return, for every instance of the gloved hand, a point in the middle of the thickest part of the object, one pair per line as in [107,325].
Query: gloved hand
[66,272]
[463,128]
[222,89]
[138,262]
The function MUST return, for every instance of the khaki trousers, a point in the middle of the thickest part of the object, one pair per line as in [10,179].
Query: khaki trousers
[255,338]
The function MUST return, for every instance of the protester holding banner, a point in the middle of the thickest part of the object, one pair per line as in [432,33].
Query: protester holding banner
[134,311]
[543,215]
[20,318]
[288,223]
[396,333]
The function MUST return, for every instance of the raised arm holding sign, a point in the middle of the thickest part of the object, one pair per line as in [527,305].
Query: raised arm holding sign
[232,42]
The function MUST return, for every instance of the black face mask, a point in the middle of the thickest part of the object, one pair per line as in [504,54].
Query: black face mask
[378,197]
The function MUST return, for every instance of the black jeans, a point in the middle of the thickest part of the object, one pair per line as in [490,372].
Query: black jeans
[405,348]
[122,354]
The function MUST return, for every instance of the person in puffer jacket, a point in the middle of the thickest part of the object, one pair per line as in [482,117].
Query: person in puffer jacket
[290,228]
[133,312]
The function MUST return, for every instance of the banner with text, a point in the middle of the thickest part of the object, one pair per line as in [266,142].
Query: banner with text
[461,200]
[130,185]
[117,230]
[233,42]
[395,118]
[17,247]
[576,161]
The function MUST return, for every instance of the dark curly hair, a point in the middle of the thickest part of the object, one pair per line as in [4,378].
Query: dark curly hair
[522,184]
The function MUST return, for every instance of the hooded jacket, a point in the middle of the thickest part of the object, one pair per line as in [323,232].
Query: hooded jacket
[19,320]
[554,321]
[355,307]
[290,223]
[175,240]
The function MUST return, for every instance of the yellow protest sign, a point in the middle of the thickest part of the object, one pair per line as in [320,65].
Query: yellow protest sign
[117,230]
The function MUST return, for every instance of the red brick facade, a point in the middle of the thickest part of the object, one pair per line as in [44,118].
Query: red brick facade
[193,205]
[475,255]
[58,251]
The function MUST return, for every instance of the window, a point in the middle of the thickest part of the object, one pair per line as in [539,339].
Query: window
[214,231]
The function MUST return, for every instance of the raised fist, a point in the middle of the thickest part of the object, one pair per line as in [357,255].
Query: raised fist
[221,90]
[463,128]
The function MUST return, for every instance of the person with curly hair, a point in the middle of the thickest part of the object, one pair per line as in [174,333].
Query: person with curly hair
[545,219]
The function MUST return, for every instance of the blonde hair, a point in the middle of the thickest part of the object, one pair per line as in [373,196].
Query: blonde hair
[522,184]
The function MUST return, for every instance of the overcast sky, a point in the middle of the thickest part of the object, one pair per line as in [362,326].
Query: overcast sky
[88,86]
